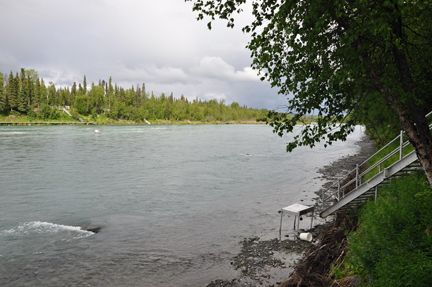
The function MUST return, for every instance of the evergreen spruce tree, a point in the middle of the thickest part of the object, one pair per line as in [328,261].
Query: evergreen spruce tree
[74,90]
[12,91]
[110,93]
[2,94]
[80,89]
[30,90]
[85,85]
[52,95]
[37,93]
[43,93]
[22,98]
[144,94]
[22,92]
[31,79]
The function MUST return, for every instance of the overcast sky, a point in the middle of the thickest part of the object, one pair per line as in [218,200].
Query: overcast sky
[156,42]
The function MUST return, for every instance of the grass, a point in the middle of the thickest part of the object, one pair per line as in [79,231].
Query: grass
[381,154]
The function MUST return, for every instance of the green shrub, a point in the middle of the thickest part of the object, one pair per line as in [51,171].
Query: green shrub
[394,242]
[31,114]
[45,112]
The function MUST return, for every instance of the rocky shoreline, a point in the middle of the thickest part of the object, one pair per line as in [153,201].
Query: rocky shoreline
[268,262]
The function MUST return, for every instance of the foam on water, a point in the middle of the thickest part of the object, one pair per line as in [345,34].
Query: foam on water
[13,133]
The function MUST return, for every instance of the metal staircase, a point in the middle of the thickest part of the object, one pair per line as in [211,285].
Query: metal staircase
[363,182]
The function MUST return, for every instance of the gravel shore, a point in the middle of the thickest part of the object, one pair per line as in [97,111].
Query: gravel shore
[268,262]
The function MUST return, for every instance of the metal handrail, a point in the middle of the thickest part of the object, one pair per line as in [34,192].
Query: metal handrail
[357,179]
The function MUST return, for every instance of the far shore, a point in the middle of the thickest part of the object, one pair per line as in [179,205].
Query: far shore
[122,122]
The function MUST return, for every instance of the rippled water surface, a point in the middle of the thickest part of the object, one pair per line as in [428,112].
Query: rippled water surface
[172,202]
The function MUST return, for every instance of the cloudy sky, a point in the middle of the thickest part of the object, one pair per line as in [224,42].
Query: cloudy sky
[156,42]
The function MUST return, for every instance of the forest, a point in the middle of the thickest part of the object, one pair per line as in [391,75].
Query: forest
[26,94]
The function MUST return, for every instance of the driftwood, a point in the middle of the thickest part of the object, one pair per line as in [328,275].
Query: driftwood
[312,270]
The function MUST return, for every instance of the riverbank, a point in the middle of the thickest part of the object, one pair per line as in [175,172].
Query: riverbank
[123,122]
[270,262]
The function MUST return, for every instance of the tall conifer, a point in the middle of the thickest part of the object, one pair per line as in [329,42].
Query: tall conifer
[85,85]
[36,93]
[2,94]
[73,93]
[22,92]
[43,93]
[12,91]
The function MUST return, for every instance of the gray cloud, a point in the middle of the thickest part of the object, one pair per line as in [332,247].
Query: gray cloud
[159,43]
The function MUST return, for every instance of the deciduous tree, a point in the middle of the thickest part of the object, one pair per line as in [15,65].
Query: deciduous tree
[329,56]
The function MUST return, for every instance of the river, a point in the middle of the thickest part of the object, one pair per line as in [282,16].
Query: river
[172,202]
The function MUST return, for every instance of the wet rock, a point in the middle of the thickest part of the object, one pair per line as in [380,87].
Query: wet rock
[94,229]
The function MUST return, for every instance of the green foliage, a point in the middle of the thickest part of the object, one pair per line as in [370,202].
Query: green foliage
[45,112]
[3,101]
[12,90]
[54,114]
[74,114]
[23,93]
[393,243]
[81,103]
[388,162]
[29,91]
[31,114]
[94,113]
[334,58]
[96,99]
[382,124]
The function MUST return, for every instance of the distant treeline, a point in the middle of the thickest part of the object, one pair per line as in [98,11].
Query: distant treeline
[28,94]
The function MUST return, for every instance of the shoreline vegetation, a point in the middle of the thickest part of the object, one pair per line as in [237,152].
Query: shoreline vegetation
[16,118]
[24,97]
[40,123]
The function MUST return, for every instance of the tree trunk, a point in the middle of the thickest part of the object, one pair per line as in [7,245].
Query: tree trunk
[420,137]
[411,116]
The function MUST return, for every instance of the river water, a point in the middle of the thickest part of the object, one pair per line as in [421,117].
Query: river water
[172,202]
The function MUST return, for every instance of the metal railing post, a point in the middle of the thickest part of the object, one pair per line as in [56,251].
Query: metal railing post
[357,173]
[338,193]
[401,146]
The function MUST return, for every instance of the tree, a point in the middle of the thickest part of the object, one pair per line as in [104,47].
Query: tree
[85,85]
[43,93]
[37,92]
[81,103]
[96,98]
[3,101]
[12,90]
[110,93]
[31,79]
[22,92]
[334,55]
[52,99]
